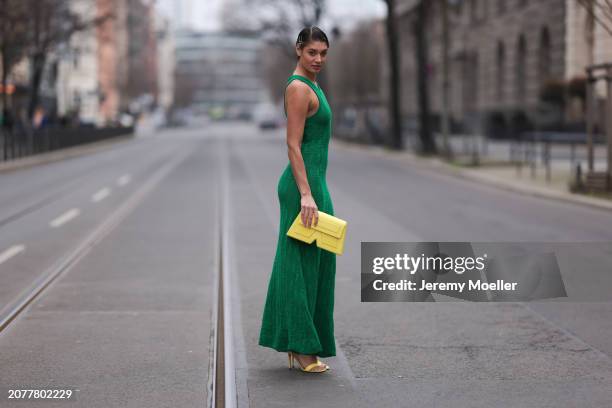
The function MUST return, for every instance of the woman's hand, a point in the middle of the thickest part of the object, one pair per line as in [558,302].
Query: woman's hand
[309,211]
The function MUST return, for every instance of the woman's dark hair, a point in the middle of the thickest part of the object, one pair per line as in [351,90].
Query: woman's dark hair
[309,34]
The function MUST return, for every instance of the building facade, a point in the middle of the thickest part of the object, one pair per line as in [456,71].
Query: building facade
[112,54]
[217,70]
[108,66]
[141,51]
[77,82]
[165,62]
[504,57]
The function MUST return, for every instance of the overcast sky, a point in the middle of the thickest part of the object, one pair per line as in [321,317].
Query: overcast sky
[205,14]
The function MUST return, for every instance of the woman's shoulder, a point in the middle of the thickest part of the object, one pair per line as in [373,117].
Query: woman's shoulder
[297,87]
[296,79]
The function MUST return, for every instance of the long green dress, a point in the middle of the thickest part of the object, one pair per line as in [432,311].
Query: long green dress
[299,307]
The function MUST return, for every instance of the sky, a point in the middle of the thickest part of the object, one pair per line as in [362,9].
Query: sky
[203,14]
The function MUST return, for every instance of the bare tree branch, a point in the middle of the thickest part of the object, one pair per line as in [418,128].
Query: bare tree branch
[13,23]
[50,25]
[587,6]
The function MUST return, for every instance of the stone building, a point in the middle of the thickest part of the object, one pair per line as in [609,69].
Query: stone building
[503,54]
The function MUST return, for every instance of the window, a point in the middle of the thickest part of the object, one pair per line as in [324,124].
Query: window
[75,58]
[76,98]
[544,57]
[501,71]
[473,10]
[470,82]
[521,78]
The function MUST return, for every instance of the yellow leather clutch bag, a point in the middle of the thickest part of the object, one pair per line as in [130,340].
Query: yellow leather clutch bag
[329,232]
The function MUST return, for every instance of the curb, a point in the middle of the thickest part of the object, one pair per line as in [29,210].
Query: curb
[61,154]
[473,175]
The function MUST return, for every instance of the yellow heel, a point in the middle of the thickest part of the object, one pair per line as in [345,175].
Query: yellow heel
[310,368]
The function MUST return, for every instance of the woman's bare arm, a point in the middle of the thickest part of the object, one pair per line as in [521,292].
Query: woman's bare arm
[298,99]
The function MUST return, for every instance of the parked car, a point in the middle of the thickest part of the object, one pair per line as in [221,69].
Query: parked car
[267,116]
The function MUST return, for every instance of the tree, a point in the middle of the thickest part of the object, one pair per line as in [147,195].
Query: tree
[50,23]
[445,120]
[281,20]
[235,18]
[600,12]
[428,144]
[394,78]
[13,29]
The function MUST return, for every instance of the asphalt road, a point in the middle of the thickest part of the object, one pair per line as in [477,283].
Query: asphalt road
[447,354]
[129,322]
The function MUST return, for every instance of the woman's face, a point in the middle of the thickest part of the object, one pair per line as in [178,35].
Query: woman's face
[313,56]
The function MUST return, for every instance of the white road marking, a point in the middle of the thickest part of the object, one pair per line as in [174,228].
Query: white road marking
[123,180]
[65,217]
[11,252]
[100,195]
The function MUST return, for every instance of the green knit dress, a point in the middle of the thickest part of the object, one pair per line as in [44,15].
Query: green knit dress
[299,307]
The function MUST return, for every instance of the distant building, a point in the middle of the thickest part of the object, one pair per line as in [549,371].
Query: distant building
[112,53]
[182,12]
[165,62]
[77,82]
[141,51]
[107,68]
[218,70]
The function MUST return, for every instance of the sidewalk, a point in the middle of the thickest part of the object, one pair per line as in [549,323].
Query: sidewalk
[62,154]
[504,176]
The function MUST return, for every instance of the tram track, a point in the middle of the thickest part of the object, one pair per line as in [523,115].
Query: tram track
[222,381]
[221,387]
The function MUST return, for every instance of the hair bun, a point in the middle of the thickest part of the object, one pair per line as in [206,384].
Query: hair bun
[311,33]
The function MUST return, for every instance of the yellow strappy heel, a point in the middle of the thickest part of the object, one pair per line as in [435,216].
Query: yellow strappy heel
[310,368]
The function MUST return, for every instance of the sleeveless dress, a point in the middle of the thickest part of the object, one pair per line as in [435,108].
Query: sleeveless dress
[298,311]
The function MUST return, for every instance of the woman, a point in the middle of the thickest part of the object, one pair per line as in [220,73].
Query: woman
[298,313]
